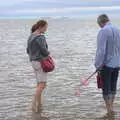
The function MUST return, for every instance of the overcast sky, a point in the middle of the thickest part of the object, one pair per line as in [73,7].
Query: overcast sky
[46,8]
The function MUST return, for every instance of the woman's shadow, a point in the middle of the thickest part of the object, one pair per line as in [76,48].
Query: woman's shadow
[38,116]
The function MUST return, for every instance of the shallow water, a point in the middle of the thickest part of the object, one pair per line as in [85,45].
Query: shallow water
[72,44]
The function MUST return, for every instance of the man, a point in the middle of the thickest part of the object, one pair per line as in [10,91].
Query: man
[108,59]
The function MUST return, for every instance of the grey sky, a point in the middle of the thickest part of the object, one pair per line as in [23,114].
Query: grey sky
[24,7]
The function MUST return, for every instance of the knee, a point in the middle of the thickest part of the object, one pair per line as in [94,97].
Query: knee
[40,87]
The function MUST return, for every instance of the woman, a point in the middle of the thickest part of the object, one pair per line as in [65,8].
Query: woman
[37,50]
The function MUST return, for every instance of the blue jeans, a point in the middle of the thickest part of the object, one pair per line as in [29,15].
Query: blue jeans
[109,77]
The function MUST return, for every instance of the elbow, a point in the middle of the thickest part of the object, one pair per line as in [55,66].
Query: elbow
[46,53]
[27,51]
[96,66]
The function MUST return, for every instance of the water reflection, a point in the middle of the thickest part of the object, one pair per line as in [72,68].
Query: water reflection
[106,117]
[38,116]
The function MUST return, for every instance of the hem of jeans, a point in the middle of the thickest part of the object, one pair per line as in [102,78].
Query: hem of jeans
[107,97]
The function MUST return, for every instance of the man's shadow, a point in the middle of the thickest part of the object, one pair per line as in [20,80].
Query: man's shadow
[106,118]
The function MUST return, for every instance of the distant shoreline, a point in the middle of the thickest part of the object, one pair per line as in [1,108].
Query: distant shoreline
[91,17]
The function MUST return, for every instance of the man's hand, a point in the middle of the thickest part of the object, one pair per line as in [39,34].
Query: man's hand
[99,69]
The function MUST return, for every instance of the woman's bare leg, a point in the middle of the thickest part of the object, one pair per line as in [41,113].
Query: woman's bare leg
[38,96]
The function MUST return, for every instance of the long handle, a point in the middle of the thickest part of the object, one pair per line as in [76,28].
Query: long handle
[91,75]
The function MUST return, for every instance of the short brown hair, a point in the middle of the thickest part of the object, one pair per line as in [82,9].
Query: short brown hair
[40,23]
[103,18]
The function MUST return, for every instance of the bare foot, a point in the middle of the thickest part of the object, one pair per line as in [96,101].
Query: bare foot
[105,116]
[113,113]
[35,109]
[109,116]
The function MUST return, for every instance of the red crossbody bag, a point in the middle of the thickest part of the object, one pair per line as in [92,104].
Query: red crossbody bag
[47,64]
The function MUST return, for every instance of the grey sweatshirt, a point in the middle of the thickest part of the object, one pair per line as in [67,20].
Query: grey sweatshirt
[37,47]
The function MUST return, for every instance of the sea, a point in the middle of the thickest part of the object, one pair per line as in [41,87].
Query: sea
[72,43]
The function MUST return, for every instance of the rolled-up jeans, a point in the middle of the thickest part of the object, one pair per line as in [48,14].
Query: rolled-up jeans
[109,76]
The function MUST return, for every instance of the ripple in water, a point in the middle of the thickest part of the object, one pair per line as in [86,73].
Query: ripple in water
[73,47]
